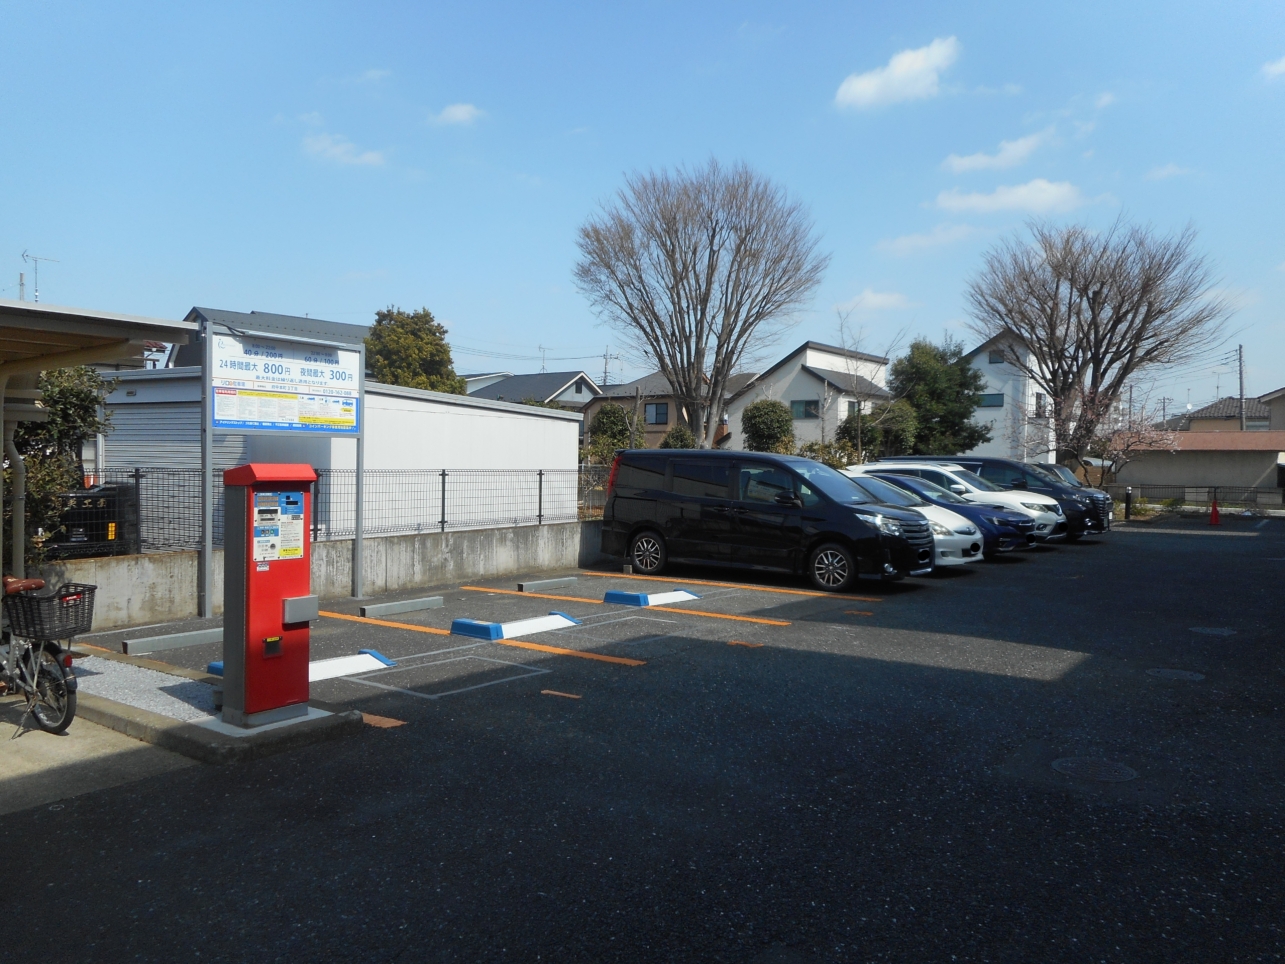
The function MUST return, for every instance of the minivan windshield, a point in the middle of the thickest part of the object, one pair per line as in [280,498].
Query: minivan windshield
[930,489]
[834,484]
[1063,475]
[976,481]
[887,493]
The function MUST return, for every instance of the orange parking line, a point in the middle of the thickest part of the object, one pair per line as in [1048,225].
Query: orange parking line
[570,696]
[857,612]
[735,585]
[383,722]
[533,595]
[559,651]
[737,642]
[740,619]
[385,622]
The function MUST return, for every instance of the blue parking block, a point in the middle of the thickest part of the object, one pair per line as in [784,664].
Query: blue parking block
[476,629]
[215,669]
[378,655]
[625,598]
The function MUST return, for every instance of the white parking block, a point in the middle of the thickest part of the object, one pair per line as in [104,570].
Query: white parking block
[343,666]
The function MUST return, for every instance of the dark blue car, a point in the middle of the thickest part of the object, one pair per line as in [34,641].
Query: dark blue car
[1002,530]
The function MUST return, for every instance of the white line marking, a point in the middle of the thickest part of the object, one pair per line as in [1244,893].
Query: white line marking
[364,681]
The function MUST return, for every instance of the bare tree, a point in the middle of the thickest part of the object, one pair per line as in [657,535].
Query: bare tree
[1125,434]
[1085,312]
[852,341]
[695,269]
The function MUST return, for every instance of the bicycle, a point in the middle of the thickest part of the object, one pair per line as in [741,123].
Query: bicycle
[32,661]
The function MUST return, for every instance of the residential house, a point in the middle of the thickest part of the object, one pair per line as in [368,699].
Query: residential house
[572,390]
[1224,416]
[1018,414]
[658,409]
[1275,402]
[822,384]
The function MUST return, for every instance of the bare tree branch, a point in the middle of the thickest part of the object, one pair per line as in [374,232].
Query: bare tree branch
[1088,312]
[698,269]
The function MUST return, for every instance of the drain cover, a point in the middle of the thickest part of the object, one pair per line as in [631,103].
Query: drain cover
[1103,771]
[1177,674]
[1213,630]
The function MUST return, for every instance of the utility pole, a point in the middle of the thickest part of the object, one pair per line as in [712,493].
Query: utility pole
[22,286]
[607,358]
[1240,358]
[1130,408]
[1164,412]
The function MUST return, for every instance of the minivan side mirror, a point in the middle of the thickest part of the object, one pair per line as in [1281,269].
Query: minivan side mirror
[789,498]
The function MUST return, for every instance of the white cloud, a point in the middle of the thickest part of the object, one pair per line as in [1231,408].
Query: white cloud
[1038,197]
[1104,100]
[909,75]
[1166,170]
[1281,266]
[312,118]
[458,114]
[372,76]
[337,148]
[1275,69]
[938,236]
[1010,154]
[870,300]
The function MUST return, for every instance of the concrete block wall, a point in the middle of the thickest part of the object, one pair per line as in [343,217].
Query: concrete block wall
[161,587]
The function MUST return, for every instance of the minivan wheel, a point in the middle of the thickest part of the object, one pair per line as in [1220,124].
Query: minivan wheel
[647,553]
[832,567]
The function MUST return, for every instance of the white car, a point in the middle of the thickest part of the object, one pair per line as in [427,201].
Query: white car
[955,539]
[1050,522]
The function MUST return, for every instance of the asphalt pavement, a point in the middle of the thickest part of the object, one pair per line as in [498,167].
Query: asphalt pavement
[813,779]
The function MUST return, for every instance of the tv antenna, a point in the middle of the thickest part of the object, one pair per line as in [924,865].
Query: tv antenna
[542,350]
[35,269]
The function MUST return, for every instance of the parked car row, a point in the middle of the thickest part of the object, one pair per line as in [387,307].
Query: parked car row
[891,519]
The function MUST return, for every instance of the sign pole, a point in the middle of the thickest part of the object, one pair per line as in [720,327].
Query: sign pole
[360,506]
[205,590]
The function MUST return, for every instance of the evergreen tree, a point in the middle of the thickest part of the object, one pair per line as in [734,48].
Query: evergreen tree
[768,426]
[409,349]
[678,437]
[943,388]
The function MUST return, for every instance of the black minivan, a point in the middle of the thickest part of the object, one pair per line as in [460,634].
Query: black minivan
[757,511]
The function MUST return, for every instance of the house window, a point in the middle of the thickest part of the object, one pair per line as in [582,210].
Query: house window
[853,408]
[995,357]
[1041,405]
[579,388]
[995,400]
[657,413]
[807,408]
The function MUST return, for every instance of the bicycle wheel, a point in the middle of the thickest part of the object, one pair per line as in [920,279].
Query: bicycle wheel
[54,705]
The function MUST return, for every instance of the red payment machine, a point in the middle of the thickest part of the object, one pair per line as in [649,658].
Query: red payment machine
[267,603]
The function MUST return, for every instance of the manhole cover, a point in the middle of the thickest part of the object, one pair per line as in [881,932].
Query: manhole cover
[1177,674]
[1213,630]
[1103,771]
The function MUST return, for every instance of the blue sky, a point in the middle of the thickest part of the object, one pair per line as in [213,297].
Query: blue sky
[335,158]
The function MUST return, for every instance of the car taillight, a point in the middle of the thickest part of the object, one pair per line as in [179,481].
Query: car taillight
[611,479]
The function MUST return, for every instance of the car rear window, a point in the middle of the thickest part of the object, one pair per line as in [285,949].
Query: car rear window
[701,479]
[641,472]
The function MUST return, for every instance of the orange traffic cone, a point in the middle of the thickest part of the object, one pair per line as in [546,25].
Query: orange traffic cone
[1213,514]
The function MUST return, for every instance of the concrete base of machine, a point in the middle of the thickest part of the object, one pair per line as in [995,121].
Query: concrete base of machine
[207,742]
[252,720]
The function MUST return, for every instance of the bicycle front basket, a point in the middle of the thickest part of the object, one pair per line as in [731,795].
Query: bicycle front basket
[60,614]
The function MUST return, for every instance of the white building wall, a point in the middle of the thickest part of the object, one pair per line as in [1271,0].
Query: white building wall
[1015,432]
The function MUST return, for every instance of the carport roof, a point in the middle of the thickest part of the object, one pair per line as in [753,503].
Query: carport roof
[30,331]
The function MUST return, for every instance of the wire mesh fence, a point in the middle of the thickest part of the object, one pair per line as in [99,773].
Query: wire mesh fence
[159,509]
[1173,496]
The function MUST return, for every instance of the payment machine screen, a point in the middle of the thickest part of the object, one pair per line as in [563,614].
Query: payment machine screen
[278,526]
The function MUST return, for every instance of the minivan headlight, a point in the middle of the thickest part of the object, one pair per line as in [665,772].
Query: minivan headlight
[888,526]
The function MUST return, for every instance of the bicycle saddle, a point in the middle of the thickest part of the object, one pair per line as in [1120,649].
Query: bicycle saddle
[12,584]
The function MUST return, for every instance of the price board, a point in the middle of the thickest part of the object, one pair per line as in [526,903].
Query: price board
[264,384]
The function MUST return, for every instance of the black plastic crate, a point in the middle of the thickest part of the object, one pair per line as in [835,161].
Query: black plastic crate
[61,614]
